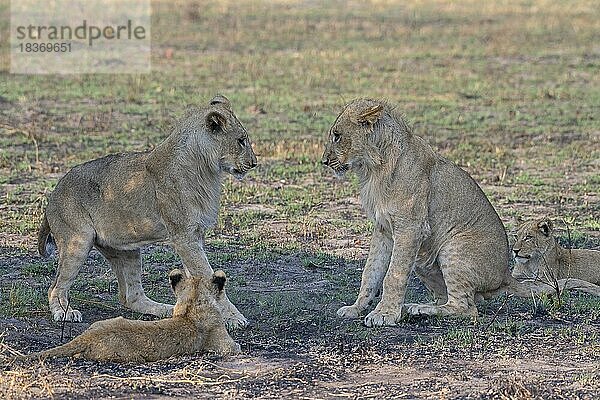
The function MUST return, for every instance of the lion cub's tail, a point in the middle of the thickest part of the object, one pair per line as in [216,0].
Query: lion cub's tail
[46,243]
[66,350]
[529,287]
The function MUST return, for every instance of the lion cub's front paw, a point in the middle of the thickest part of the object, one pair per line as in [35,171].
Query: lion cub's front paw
[420,309]
[236,321]
[349,312]
[71,315]
[225,349]
[383,318]
[231,315]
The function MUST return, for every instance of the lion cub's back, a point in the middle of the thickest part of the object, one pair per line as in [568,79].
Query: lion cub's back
[101,193]
[87,180]
[461,202]
[587,265]
[120,339]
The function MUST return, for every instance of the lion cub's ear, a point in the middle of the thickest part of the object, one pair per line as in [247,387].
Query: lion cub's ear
[175,277]
[219,280]
[216,121]
[370,115]
[222,100]
[545,226]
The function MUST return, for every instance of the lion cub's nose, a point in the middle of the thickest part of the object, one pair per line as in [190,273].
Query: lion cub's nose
[253,161]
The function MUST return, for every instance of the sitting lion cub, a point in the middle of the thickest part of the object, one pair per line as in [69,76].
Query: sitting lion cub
[122,202]
[196,325]
[539,256]
[429,215]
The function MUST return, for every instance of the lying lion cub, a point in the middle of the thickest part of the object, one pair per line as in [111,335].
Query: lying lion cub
[196,325]
[122,202]
[539,256]
[429,215]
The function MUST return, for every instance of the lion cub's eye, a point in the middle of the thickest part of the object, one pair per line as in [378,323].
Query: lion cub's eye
[336,137]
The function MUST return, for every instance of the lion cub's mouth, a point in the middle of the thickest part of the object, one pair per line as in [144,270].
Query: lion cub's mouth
[239,174]
[340,170]
[522,276]
[522,259]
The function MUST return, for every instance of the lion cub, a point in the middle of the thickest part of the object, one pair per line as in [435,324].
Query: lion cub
[122,202]
[196,325]
[539,256]
[430,217]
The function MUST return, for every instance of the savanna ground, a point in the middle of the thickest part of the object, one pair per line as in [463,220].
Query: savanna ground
[508,90]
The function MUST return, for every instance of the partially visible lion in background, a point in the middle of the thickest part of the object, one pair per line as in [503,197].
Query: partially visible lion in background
[122,202]
[196,325]
[429,217]
[538,256]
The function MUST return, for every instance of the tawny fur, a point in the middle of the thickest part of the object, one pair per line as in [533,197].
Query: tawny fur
[196,325]
[538,256]
[430,217]
[122,202]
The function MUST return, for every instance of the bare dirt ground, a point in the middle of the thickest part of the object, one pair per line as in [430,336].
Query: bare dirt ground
[295,347]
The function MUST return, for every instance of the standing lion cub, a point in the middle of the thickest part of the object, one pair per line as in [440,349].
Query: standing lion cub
[196,325]
[122,202]
[429,215]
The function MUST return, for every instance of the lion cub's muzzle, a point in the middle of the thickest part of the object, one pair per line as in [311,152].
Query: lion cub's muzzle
[335,165]
[240,171]
[520,258]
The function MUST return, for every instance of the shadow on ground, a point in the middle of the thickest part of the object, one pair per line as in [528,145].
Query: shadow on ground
[296,346]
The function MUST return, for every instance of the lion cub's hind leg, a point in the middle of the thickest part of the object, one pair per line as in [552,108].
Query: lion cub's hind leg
[72,250]
[455,270]
[127,265]
[432,278]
